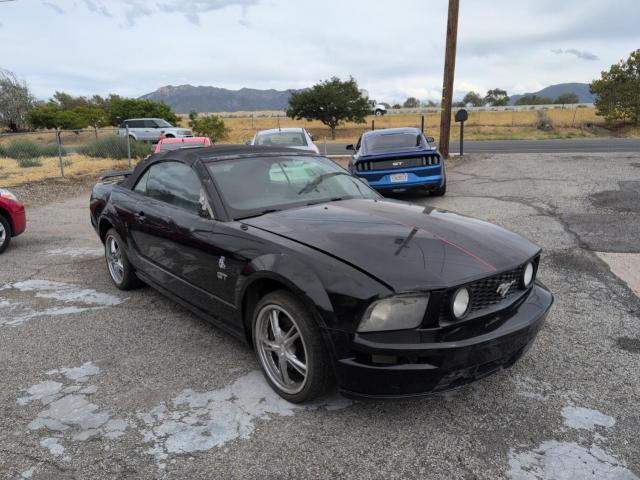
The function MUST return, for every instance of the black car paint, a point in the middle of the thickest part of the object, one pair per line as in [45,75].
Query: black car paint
[337,257]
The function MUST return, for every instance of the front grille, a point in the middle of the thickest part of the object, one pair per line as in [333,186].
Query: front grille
[485,296]
[484,293]
[398,163]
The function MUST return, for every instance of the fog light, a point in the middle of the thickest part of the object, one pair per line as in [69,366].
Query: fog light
[460,303]
[527,275]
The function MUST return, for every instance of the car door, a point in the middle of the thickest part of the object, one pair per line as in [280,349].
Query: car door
[172,233]
[151,130]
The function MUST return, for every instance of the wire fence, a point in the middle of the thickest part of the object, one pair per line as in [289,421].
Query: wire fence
[33,156]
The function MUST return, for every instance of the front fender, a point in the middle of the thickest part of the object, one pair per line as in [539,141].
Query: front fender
[295,275]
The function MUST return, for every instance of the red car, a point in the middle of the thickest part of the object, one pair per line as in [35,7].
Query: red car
[13,220]
[177,143]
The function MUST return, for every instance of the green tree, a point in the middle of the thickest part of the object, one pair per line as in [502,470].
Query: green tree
[15,101]
[331,102]
[396,106]
[210,126]
[497,97]
[567,97]
[44,115]
[411,102]
[618,91]
[474,99]
[121,108]
[534,100]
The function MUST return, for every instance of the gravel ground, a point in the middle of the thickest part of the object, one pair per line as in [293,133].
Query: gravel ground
[98,384]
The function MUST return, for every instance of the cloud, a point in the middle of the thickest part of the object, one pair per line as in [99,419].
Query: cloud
[54,7]
[191,9]
[572,51]
[98,7]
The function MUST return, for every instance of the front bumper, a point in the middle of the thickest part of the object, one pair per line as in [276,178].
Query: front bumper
[18,217]
[423,367]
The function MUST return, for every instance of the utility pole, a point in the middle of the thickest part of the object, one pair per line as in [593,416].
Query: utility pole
[449,72]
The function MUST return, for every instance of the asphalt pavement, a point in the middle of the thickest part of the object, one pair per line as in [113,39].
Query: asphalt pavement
[101,384]
[585,145]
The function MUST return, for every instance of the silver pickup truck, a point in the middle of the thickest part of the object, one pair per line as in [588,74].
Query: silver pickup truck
[150,129]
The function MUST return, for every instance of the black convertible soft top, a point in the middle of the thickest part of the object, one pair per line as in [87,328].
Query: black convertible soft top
[214,153]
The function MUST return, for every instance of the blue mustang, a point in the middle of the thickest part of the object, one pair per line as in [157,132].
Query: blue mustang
[399,159]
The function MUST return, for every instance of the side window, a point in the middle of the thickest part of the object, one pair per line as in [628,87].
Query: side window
[359,144]
[150,124]
[178,185]
[141,186]
[136,124]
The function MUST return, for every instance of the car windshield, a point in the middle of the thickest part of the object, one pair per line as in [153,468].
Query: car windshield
[253,186]
[281,139]
[163,123]
[392,141]
[164,147]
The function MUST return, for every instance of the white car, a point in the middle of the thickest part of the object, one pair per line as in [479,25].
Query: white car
[297,138]
[151,129]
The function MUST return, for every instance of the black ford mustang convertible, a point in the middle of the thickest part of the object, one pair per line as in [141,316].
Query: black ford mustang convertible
[326,279]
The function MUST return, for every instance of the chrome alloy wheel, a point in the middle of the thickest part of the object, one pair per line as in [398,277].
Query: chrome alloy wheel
[114,259]
[281,348]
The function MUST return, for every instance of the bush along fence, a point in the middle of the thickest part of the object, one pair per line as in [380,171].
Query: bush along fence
[57,153]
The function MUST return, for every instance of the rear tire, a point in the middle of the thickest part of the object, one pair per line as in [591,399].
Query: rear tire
[287,339]
[120,269]
[5,234]
[440,191]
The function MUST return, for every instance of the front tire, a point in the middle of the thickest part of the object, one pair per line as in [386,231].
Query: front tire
[120,269]
[290,348]
[5,234]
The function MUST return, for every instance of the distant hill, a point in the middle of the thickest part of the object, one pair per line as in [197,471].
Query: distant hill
[554,91]
[186,98]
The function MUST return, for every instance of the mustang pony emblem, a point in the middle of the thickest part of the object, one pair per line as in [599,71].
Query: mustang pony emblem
[503,288]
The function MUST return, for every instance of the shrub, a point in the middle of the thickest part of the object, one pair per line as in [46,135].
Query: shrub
[115,147]
[28,162]
[26,149]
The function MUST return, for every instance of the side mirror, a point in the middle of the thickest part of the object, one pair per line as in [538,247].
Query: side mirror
[350,147]
[431,139]
[248,142]
[313,138]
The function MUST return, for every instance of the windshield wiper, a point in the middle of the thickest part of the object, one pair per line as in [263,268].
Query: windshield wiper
[259,214]
[318,202]
[313,184]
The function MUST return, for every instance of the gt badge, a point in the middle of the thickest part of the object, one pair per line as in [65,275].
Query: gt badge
[221,264]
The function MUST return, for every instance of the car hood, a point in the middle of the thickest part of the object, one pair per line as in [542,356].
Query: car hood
[405,246]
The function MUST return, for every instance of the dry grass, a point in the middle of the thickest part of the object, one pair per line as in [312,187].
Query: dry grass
[75,166]
[480,126]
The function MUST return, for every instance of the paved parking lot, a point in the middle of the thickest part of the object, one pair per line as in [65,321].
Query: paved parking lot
[98,383]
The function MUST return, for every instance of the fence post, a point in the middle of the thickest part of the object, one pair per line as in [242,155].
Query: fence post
[95,130]
[422,124]
[325,145]
[373,124]
[59,152]
[128,145]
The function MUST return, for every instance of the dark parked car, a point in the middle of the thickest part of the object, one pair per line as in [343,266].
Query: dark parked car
[399,159]
[326,279]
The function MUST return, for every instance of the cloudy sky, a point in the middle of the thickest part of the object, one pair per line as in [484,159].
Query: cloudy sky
[394,48]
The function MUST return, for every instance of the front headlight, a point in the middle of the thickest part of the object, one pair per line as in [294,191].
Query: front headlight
[7,194]
[395,313]
[460,303]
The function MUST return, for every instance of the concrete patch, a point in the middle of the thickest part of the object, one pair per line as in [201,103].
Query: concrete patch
[47,298]
[566,461]
[76,252]
[585,418]
[625,266]
[198,421]
[68,410]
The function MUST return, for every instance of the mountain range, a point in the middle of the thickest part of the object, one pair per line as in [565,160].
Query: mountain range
[187,98]
[554,91]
